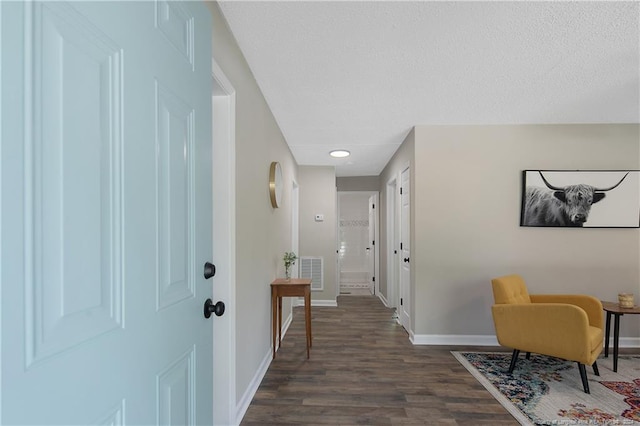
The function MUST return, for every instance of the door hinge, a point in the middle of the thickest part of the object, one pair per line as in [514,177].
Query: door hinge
[400,246]
[401,301]
[374,279]
[373,206]
[373,243]
[400,190]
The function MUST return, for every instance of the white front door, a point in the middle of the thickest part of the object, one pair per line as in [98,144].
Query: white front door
[405,252]
[106,213]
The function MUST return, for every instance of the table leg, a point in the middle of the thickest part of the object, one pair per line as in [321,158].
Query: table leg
[274,313]
[307,317]
[606,339]
[616,335]
[310,334]
[279,321]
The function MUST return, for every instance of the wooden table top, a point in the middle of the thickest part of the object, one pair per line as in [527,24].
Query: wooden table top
[615,308]
[291,281]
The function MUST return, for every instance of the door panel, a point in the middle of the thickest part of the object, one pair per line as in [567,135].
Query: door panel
[175,230]
[106,213]
[76,221]
[175,393]
[177,24]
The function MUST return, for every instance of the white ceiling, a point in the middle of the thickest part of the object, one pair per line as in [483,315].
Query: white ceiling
[360,75]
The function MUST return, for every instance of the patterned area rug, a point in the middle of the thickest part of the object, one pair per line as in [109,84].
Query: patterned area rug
[548,391]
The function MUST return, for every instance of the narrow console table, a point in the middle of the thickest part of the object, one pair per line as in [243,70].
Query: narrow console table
[292,287]
[614,309]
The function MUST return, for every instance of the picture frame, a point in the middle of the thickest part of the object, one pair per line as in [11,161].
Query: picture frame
[580,198]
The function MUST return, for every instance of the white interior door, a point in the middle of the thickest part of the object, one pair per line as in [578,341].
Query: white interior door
[405,252]
[106,213]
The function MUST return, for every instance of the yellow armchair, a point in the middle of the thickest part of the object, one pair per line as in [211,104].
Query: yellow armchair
[563,326]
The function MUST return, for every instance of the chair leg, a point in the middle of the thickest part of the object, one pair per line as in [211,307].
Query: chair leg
[583,376]
[595,368]
[514,359]
[528,355]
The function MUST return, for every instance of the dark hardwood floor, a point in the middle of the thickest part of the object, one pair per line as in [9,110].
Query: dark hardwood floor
[364,370]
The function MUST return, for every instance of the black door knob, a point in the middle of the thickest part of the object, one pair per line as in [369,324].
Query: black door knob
[210,308]
[406,259]
[209,270]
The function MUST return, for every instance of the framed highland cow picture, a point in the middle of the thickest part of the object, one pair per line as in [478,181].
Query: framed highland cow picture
[581,198]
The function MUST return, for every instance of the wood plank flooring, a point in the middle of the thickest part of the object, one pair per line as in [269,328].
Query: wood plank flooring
[364,370]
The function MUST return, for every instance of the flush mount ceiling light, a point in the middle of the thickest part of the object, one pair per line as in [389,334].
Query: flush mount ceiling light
[339,153]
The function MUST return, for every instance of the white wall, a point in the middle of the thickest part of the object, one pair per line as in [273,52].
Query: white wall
[262,233]
[318,196]
[467,188]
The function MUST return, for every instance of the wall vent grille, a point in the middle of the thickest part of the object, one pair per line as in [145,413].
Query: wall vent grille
[311,267]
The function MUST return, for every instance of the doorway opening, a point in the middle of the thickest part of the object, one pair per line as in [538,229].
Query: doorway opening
[357,234]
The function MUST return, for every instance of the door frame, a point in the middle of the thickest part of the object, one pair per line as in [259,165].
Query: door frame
[406,305]
[376,244]
[295,224]
[393,271]
[223,101]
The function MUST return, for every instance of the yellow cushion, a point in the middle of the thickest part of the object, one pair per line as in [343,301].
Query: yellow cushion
[510,289]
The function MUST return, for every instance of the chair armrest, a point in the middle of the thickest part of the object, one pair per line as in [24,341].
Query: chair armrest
[591,305]
[555,329]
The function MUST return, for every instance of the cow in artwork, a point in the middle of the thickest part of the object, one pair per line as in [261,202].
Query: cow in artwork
[561,206]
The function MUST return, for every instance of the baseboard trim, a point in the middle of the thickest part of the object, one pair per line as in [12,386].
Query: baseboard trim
[625,342]
[491,340]
[285,326]
[247,397]
[323,303]
[245,401]
[454,340]
[383,299]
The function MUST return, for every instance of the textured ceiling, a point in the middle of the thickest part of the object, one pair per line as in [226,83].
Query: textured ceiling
[360,75]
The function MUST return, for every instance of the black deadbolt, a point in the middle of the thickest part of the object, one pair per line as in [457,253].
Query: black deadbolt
[210,308]
[209,270]
[406,259]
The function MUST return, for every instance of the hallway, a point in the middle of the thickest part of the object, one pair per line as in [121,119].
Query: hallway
[364,370]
